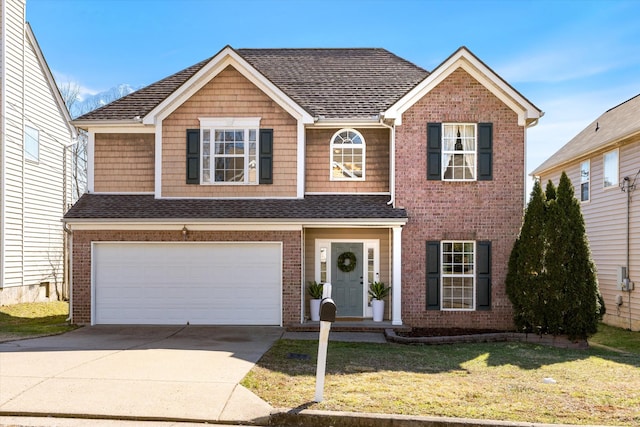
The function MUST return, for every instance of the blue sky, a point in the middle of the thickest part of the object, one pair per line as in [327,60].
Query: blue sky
[573,59]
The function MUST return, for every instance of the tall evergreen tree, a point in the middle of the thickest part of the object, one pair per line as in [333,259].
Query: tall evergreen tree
[526,265]
[551,281]
[573,269]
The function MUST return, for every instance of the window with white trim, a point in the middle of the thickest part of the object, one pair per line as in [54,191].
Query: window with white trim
[458,275]
[229,150]
[459,151]
[610,160]
[585,180]
[31,144]
[348,152]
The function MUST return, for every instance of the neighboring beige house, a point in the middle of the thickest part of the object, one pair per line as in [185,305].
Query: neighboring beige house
[33,190]
[603,163]
[216,194]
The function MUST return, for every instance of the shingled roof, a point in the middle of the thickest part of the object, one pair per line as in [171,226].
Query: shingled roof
[613,125]
[329,83]
[147,207]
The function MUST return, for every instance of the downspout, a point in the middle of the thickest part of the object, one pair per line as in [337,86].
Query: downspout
[69,249]
[628,186]
[392,161]
[3,137]
[530,125]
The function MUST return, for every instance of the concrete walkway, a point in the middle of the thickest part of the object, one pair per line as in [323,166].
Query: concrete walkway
[176,373]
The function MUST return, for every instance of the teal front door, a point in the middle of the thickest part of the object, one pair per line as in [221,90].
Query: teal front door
[347,289]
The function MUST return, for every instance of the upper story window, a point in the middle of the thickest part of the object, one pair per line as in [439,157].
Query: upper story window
[459,152]
[347,156]
[585,180]
[610,178]
[31,144]
[229,151]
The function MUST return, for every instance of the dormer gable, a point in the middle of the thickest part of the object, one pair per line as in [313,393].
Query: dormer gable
[464,59]
[219,62]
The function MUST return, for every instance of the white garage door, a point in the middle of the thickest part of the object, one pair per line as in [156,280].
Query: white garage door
[175,283]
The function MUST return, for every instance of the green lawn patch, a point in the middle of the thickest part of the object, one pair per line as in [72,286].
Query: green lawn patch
[621,339]
[29,320]
[498,381]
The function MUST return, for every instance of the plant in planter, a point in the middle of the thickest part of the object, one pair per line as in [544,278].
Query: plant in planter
[315,292]
[378,291]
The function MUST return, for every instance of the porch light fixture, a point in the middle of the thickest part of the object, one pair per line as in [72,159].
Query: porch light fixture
[184,232]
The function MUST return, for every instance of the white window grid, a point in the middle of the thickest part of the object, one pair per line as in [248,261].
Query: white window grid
[348,155]
[458,275]
[229,155]
[459,151]
[585,181]
[610,169]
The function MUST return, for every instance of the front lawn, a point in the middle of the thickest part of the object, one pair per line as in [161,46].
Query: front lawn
[499,381]
[29,320]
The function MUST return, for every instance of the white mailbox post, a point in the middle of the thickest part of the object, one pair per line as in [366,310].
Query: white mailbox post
[327,317]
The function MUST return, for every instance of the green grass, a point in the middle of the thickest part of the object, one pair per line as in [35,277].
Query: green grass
[498,381]
[27,320]
[621,339]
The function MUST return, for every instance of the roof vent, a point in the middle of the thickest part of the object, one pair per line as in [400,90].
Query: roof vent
[597,126]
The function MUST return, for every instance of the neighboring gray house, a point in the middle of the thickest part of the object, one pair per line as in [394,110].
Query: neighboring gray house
[34,192]
[603,163]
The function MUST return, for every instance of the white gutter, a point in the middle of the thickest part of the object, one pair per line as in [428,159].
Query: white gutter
[392,161]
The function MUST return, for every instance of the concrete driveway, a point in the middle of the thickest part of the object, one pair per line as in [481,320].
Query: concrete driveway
[137,372]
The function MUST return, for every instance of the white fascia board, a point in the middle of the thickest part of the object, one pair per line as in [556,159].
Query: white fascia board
[178,226]
[225,58]
[51,81]
[373,122]
[465,60]
[228,225]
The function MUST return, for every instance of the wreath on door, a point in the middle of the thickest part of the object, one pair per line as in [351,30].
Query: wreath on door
[347,262]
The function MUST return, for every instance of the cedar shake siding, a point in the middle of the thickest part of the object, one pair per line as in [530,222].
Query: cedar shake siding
[489,210]
[229,94]
[291,262]
[318,163]
[124,163]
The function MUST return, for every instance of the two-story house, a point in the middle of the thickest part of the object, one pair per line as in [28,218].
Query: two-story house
[34,159]
[603,163]
[217,193]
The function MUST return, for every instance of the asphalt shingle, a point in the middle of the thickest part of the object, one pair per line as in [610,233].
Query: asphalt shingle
[330,83]
[137,207]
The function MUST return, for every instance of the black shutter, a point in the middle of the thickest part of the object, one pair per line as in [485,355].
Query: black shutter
[434,147]
[485,155]
[266,156]
[433,275]
[483,275]
[193,156]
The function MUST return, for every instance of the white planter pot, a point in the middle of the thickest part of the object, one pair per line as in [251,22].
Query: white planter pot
[377,307]
[314,309]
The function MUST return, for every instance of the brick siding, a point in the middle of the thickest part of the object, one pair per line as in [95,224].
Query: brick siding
[291,262]
[481,210]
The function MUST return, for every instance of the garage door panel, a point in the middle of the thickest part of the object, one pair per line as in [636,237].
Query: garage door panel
[198,283]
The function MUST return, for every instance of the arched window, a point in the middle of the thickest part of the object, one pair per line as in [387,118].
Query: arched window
[347,156]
